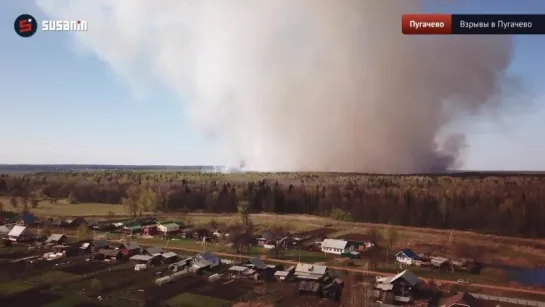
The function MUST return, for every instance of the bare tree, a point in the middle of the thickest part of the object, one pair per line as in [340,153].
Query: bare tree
[13,201]
[390,237]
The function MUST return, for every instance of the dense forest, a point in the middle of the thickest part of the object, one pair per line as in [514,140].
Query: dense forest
[507,204]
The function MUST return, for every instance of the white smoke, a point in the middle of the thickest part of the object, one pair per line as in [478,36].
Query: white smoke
[303,85]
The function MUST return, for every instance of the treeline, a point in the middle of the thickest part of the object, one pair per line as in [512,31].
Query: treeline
[508,205]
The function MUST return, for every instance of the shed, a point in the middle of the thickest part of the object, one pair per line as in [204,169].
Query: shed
[309,288]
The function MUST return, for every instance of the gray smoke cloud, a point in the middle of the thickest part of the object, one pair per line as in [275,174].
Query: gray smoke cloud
[304,85]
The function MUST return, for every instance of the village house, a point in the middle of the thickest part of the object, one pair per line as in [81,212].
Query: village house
[75,222]
[200,265]
[255,263]
[337,247]
[208,256]
[407,256]
[168,258]
[180,265]
[94,245]
[440,263]
[307,271]
[399,288]
[67,250]
[109,254]
[56,238]
[149,230]
[20,234]
[132,228]
[93,224]
[145,259]
[462,299]
[168,227]
[130,249]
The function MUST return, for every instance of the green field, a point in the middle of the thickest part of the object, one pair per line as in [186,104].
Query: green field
[194,300]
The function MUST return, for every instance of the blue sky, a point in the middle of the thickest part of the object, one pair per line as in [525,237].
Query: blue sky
[60,105]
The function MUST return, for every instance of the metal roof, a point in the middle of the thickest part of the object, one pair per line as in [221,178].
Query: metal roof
[311,286]
[55,237]
[131,246]
[201,263]
[281,273]
[334,243]
[238,268]
[4,229]
[16,231]
[409,253]
[407,275]
[256,262]
[154,250]
[169,255]
[100,243]
[141,257]
[310,268]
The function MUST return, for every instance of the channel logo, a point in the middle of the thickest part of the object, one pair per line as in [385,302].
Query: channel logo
[25,25]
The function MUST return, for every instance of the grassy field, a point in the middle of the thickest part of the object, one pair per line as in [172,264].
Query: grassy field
[194,300]
[64,209]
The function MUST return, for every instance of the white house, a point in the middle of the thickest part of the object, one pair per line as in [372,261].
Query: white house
[406,256]
[20,233]
[337,247]
[167,227]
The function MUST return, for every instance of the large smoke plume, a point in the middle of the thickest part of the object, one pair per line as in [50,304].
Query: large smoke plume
[304,85]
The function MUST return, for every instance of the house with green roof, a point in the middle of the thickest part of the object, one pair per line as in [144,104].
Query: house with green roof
[168,227]
[132,227]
